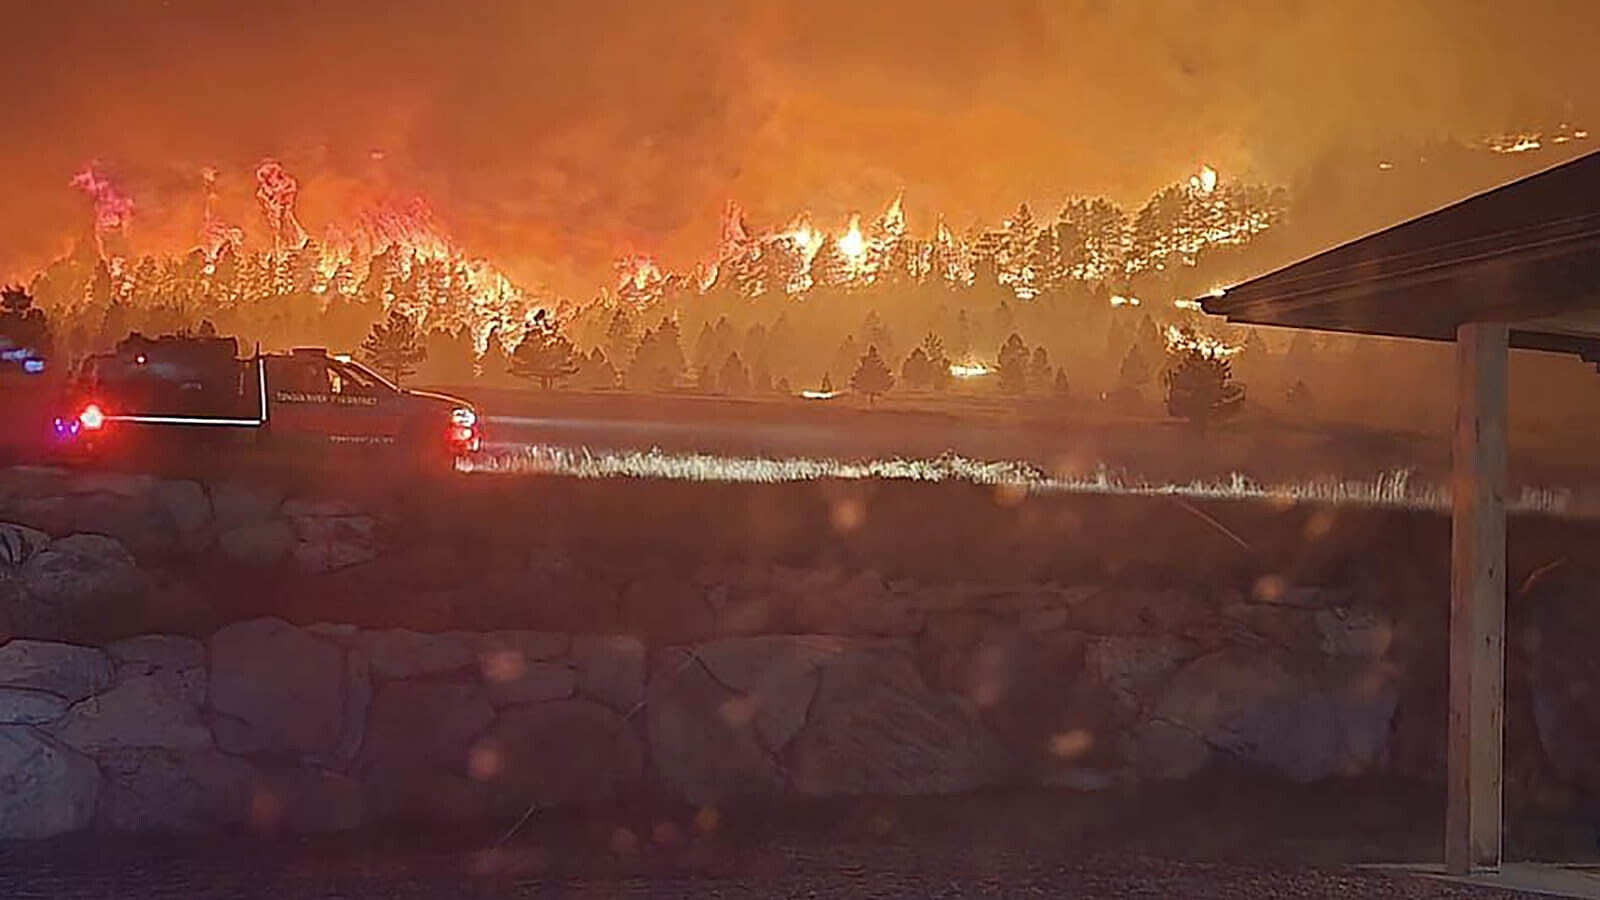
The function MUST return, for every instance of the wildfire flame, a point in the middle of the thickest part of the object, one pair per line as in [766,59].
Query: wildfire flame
[214,233]
[851,243]
[113,210]
[1185,340]
[1205,181]
[276,189]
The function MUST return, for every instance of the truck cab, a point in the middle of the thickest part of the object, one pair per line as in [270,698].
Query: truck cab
[194,390]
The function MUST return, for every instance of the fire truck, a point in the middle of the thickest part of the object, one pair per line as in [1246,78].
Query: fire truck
[201,391]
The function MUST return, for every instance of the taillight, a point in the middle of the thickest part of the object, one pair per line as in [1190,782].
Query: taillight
[93,418]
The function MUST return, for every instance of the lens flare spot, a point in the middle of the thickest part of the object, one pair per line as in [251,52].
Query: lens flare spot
[503,666]
[848,515]
[707,820]
[1071,744]
[485,762]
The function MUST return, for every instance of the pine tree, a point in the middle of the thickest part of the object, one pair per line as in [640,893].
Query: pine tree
[872,376]
[1062,387]
[916,372]
[846,357]
[394,347]
[450,357]
[595,371]
[1039,369]
[545,354]
[875,333]
[1199,385]
[621,336]
[733,378]
[1013,365]
[22,324]
[493,364]
[827,383]
[1135,371]
[1300,400]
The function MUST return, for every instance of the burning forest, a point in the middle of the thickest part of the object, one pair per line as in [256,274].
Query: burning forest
[1084,289]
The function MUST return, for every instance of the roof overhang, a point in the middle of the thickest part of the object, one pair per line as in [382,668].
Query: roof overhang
[1526,253]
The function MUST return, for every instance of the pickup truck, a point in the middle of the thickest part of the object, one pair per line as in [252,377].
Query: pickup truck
[201,390]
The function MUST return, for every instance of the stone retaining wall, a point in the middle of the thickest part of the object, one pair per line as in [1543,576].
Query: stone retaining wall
[330,727]
[712,682]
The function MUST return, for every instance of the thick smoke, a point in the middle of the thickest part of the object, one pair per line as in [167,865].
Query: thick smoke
[553,136]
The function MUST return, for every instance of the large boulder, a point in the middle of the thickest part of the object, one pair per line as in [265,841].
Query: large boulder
[82,572]
[1556,645]
[331,543]
[46,788]
[398,653]
[421,724]
[561,753]
[235,504]
[18,544]
[283,690]
[1305,722]
[179,663]
[1033,690]
[158,790]
[1134,668]
[525,667]
[876,728]
[611,670]
[306,801]
[778,674]
[186,506]
[1163,751]
[703,737]
[24,706]
[1118,610]
[861,605]
[66,670]
[140,711]
[258,543]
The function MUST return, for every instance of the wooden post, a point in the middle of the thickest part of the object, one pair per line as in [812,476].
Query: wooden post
[1477,602]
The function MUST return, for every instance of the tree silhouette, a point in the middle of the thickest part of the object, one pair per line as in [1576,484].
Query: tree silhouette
[1199,384]
[1062,387]
[544,354]
[872,376]
[595,371]
[1013,365]
[23,324]
[827,383]
[493,364]
[394,347]
[1300,399]
[1039,369]
[450,357]
[733,378]
[916,372]
[1135,371]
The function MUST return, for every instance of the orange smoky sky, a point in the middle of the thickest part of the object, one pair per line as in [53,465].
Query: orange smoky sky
[550,136]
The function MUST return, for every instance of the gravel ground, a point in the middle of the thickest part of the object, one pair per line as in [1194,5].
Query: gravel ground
[66,871]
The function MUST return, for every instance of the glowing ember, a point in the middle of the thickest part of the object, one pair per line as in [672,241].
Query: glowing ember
[819,395]
[1205,181]
[1119,300]
[1191,305]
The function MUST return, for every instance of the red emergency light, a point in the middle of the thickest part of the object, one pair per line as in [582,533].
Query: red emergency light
[92,418]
